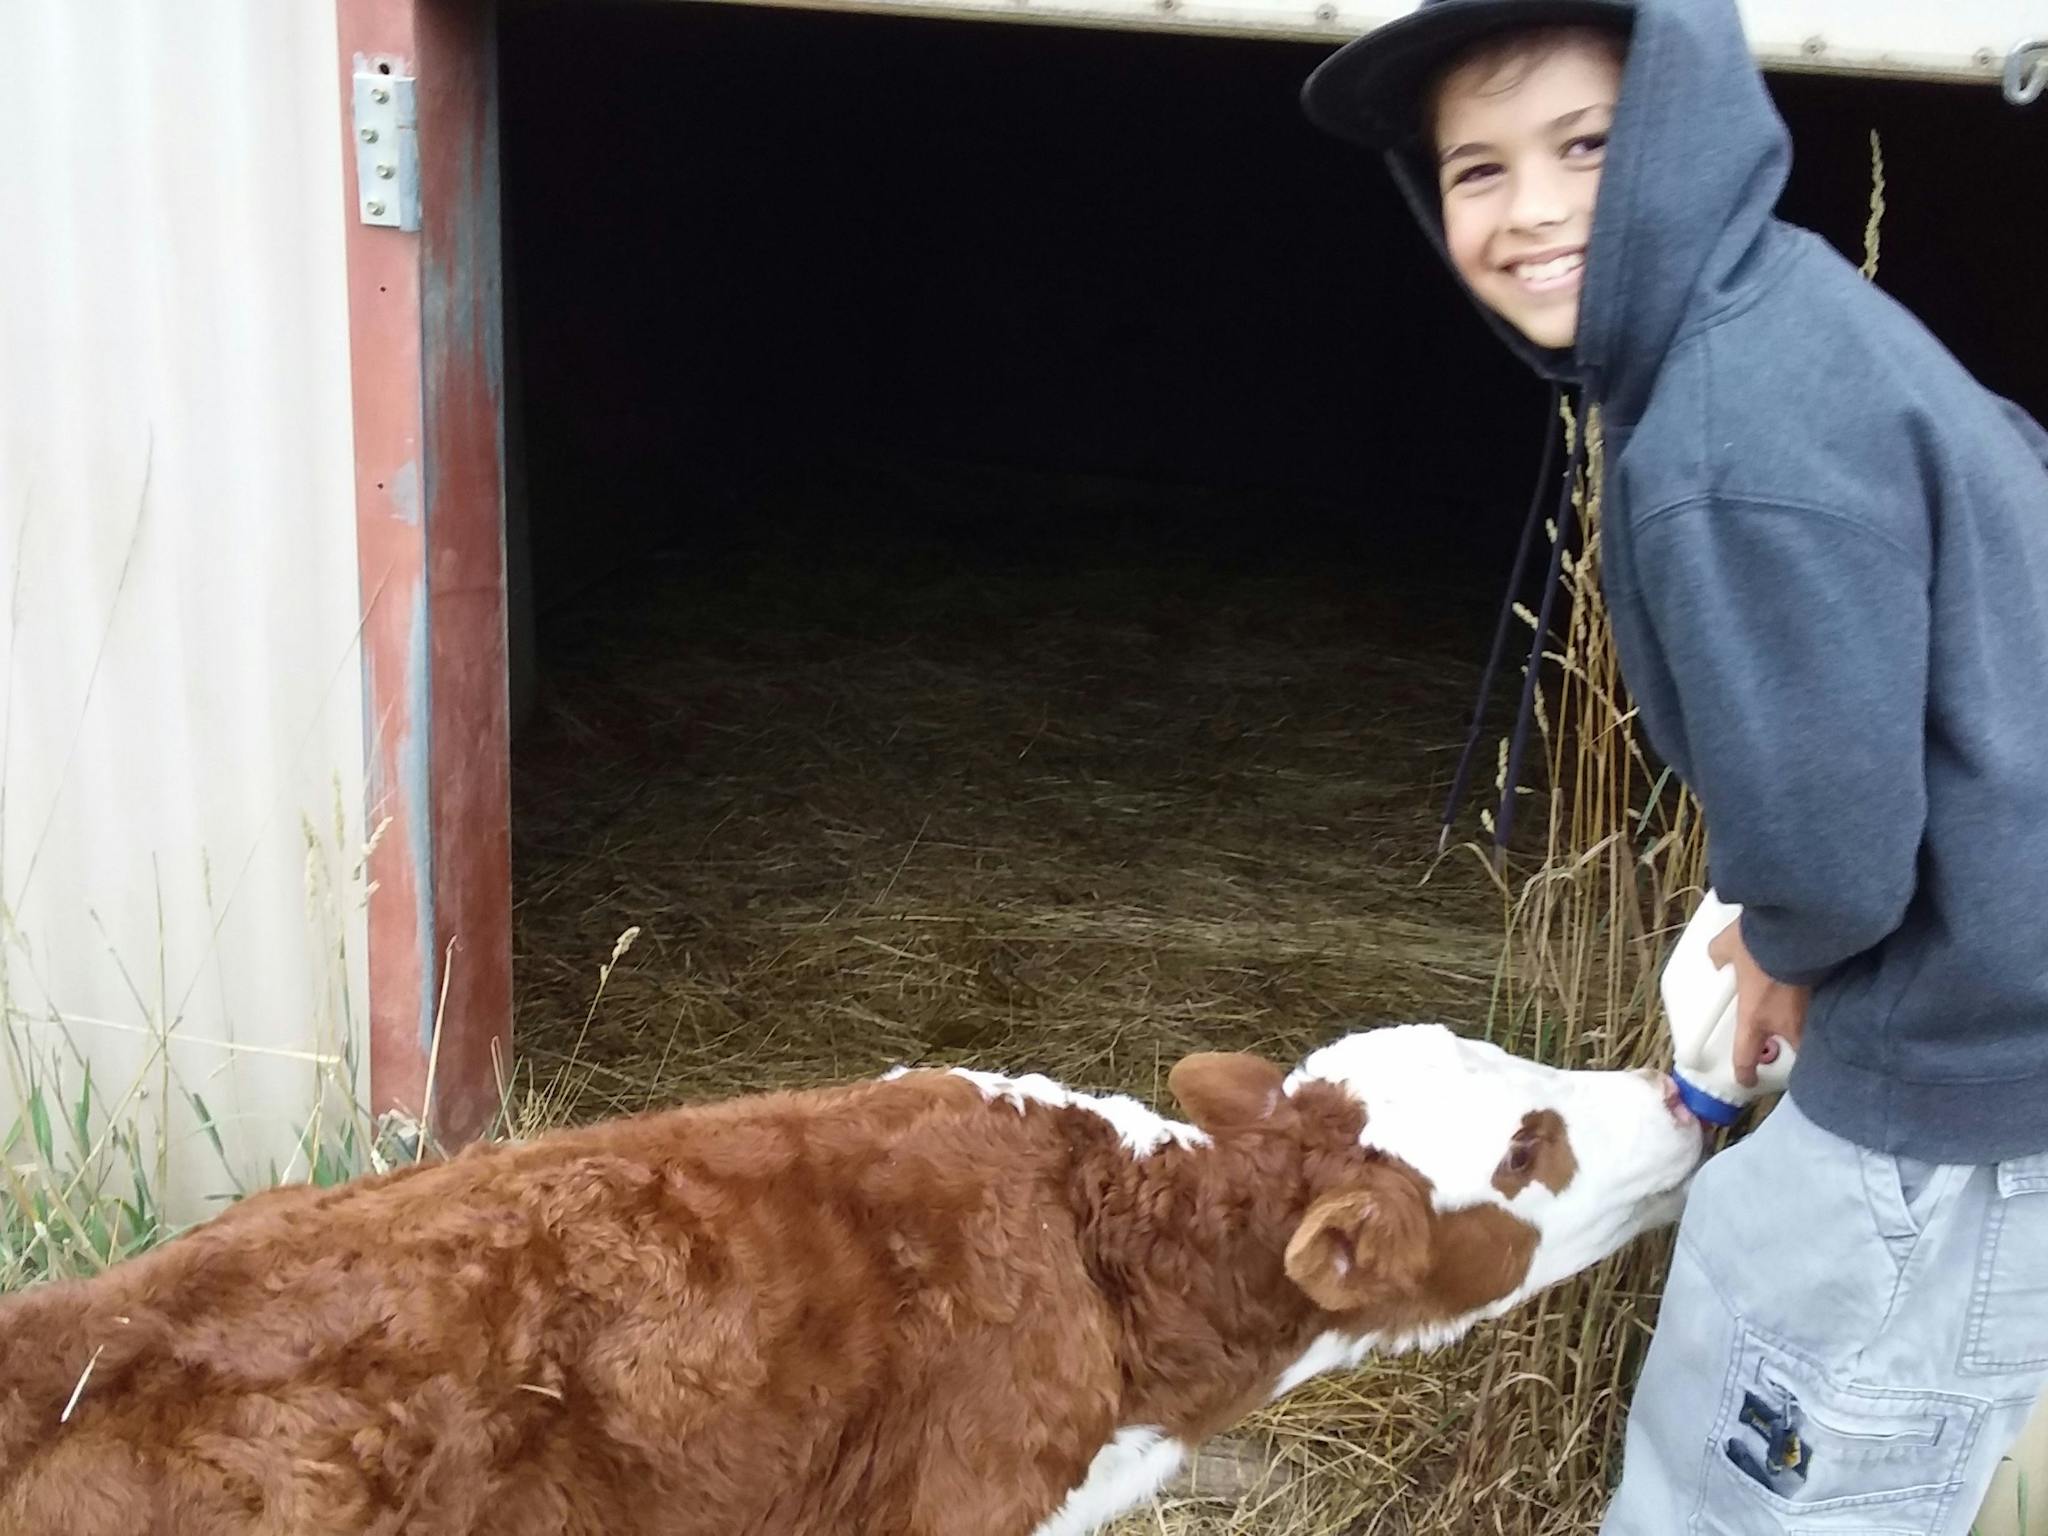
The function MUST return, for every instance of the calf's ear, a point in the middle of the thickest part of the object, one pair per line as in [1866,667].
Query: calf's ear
[1367,1241]
[1223,1091]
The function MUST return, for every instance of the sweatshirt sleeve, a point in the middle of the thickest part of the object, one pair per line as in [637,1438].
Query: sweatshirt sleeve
[1798,642]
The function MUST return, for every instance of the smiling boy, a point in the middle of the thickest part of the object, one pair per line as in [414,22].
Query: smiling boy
[1826,562]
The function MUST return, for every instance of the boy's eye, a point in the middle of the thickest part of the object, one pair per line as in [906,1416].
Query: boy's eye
[1478,170]
[1586,144]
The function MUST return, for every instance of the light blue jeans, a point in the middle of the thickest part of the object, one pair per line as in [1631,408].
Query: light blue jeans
[1848,1344]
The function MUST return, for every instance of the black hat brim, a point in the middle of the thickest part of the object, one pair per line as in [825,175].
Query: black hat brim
[1370,91]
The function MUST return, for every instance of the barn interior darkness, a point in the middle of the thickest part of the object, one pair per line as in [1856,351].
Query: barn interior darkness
[816,291]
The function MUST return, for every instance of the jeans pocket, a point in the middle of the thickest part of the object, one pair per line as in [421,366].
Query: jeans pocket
[2007,1330]
[1796,1451]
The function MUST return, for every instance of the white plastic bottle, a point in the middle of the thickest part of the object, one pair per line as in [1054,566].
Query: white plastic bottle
[1699,1010]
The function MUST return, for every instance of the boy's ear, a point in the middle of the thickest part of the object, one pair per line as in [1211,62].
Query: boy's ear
[1226,1091]
[1364,1242]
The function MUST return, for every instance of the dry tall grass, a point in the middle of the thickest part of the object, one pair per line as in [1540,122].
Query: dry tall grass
[84,1158]
[1587,932]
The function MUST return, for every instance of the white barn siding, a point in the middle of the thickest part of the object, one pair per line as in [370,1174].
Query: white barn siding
[182,689]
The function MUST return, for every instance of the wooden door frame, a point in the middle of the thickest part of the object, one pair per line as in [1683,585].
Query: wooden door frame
[427,364]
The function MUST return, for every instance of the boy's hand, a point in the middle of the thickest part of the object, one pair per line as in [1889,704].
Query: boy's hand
[1763,1007]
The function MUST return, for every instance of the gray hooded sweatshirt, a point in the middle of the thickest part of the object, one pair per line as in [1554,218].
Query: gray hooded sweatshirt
[1826,561]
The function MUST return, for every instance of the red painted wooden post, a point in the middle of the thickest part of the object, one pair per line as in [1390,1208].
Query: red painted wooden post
[425,326]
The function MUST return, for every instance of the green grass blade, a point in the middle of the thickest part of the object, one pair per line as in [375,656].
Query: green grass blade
[39,1127]
[81,1112]
[211,1127]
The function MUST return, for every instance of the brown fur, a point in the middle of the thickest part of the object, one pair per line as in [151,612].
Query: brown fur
[1541,1153]
[889,1307]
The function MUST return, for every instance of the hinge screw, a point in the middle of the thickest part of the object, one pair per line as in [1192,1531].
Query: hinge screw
[374,208]
[369,135]
[384,173]
[379,95]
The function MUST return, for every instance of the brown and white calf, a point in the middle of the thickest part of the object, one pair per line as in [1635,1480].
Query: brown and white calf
[937,1304]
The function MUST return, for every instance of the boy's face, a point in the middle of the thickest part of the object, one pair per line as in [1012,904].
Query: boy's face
[1519,147]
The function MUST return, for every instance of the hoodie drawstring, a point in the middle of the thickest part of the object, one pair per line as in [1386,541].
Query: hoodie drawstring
[1518,740]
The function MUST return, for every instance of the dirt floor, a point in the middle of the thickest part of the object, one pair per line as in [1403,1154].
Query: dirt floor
[871,799]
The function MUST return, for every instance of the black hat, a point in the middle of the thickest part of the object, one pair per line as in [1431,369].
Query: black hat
[1370,90]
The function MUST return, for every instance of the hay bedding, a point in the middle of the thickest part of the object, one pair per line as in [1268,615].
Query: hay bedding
[871,801]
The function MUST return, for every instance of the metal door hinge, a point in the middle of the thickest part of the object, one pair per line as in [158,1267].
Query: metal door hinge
[2026,71]
[387,132]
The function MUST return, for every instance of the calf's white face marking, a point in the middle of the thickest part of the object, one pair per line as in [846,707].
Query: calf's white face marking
[1587,1159]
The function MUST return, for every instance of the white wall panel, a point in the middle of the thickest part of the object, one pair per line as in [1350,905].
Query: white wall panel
[179,605]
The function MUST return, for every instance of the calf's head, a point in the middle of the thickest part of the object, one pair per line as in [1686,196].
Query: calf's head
[1474,1178]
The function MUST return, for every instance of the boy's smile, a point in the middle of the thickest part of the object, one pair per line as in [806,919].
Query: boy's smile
[1520,145]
